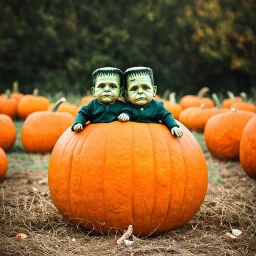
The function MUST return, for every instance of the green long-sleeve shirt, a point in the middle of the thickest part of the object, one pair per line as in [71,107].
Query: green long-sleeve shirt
[97,112]
[150,113]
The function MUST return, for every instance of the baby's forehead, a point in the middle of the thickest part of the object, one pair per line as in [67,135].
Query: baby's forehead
[136,80]
[107,79]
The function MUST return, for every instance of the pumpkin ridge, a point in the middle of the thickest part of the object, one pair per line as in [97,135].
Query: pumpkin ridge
[104,175]
[185,185]
[74,150]
[67,146]
[70,172]
[132,139]
[170,193]
[154,168]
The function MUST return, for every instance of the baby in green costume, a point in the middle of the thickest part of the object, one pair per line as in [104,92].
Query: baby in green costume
[107,88]
[140,90]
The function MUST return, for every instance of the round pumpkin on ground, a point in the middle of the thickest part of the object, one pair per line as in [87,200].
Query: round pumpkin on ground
[8,132]
[42,129]
[226,103]
[8,106]
[3,163]
[248,148]
[32,103]
[247,106]
[111,175]
[197,100]
[222,133]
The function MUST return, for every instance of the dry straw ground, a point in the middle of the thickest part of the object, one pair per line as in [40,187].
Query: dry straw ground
[26,207]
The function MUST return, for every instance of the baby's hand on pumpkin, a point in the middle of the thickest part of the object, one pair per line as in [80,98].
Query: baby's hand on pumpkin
[123,118]
[176,131]
[78,127]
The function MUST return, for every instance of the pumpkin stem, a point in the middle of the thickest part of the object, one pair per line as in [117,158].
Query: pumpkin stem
[216,100]
[233,110]
[56,105]
[202,106]
[35,92]
[202,92]
[244,96]
[166,94]
[8,94]
[230,94]
[172,97]
[15,87]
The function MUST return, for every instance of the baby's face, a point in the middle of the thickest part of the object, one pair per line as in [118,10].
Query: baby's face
[140,90]
[107,89]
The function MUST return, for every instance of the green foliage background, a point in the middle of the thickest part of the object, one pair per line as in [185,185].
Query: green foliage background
[55,45]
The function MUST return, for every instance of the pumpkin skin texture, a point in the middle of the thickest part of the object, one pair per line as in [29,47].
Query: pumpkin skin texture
[248,148]
[111,175]
[8,132]
[222,133]
[42,129]
[3,163]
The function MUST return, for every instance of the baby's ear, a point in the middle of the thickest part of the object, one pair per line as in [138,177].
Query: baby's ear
[93,91]
[155,90]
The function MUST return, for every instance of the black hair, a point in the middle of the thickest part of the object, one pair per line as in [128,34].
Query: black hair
[135,71]
[107,71]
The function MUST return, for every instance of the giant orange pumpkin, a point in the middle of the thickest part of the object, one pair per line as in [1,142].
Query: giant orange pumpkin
[111,175]
[3,163]
[41,129]
[7,132]
[222,133]
[248,148]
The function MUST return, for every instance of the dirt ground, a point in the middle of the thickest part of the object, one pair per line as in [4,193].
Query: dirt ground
[26,207]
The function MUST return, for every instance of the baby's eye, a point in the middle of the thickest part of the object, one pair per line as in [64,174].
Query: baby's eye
[113,86]
[134,88]
[145,87]
[101,86]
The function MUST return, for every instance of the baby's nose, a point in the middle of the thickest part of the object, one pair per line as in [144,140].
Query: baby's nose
[107,88]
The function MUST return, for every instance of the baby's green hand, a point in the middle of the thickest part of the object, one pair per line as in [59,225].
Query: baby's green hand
[176,131]
[78,127]
[123,117]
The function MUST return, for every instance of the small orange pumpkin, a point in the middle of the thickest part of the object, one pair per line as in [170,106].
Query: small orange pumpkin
[248,148]
[197,100]
[111,175]
[3,163]
[226,103]
[195,118]
[32,103]
[15,91]
[247,106]
[173,106]
[222,133]
[8,132]
[8,106]
[68,108]
[42,129]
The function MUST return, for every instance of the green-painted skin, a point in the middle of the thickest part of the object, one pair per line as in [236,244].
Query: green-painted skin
[140,90]
[107,89]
